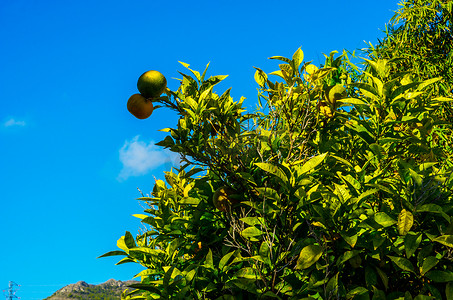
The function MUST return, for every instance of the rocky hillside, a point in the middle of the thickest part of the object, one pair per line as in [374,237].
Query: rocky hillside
[109,290]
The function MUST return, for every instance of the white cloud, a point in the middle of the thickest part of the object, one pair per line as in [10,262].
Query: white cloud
[139,158]
[12,122]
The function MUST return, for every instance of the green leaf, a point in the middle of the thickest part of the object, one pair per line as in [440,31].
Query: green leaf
[351,239]
[298,57]
[383,219]
[403,263]
[260,77]
[224,261]
[246,272]
[265,250]
[428,263]
[368,193]
[347,256]
[252,221]
[357,291]
[407,296]
[275,170]
[446,240]
[411,242]
[125,260]
[244,284]
[312,163]
[416,177]
[126,242]
[251,232]
[440,276]
[434,208]
[399,90]
[190,201]
[145,287]
[449,291]
[428,82]
[378,295]
[308,256]
[196,73]
[354,101]
[384,277]
[208,261]
[287,60]
[366,89]
[405,222]
[113,253]
[332,285]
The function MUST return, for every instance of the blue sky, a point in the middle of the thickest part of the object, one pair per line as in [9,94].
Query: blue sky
[72,157]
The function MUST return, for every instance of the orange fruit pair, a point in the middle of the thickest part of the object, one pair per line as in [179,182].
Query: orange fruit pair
[150,84]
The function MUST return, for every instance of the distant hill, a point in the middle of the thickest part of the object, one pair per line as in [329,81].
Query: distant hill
[109,290]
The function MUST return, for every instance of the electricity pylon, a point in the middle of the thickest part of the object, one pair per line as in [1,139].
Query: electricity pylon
[10,293]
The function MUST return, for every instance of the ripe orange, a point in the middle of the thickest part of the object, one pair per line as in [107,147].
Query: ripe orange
[151,84]
[139,106]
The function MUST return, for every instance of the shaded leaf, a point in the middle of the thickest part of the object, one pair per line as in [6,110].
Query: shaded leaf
[308,256]
[440,276]
[403,263]
[411,242]
[428,263]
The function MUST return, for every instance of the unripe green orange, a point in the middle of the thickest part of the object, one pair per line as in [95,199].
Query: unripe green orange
[151,84]
[139,106]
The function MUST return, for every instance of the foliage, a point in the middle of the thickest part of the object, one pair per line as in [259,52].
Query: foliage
[337,195]
[420,35]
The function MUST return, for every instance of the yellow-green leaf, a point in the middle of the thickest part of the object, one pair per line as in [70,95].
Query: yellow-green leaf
[298,57]
[446,240]
[251,232]
[312,163]
[260,77]
[405,222]
[310,69]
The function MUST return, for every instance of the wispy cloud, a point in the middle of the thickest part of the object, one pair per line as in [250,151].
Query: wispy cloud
[139,158]
[13,122]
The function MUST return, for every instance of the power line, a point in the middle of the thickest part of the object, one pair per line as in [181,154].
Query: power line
[10,293]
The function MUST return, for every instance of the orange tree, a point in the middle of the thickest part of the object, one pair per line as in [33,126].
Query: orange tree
[336,187]
[330,195]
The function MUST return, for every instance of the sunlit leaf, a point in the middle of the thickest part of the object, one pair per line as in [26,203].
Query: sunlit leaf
[270,168]
[383,219]
[405,221]
[312,163]
[298,57]
[446,240]
[251,232]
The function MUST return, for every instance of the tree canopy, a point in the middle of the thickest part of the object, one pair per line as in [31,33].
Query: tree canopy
[339,185]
